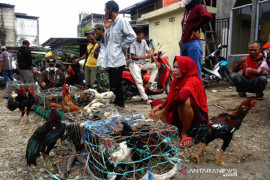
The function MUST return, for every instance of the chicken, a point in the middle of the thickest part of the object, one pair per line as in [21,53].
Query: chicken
[67,104]
[223,127]
[105,97]
[45,137]
[75,77]
[24,101]
[74,134]
[131,149]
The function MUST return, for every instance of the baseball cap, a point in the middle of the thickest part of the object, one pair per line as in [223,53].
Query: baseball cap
[51,61]
[91,31]
[25,42]
[4,47]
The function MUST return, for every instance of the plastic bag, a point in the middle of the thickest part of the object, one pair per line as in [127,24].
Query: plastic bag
[263,69]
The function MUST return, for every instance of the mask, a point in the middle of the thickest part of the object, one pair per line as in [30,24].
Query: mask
[186,2]
[51,68]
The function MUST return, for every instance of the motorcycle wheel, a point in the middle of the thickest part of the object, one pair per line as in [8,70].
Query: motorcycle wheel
[227,76]
[167,86]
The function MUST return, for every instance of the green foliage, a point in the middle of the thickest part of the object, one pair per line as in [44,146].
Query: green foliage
[21,39]
[84,30]
[39,57]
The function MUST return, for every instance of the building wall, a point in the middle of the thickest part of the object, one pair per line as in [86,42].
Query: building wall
[167,33]
[88,21]
[165,28]
[7,27]
[28,29]
[224,8]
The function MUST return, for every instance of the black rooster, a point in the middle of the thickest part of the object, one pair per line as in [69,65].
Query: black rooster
[45,137]
[24,101]
[223,127]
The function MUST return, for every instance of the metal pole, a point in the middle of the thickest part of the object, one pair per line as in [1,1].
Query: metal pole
[253,20]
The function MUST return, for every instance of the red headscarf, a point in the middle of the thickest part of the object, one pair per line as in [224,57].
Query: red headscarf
[190,80]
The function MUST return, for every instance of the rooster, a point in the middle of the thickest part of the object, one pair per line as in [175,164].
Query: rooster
[24,100]
[67,104]
[45,137]
[223,126]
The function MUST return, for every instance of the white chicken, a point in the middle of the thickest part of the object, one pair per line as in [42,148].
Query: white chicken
[13,95]
[123,154]
[105,97]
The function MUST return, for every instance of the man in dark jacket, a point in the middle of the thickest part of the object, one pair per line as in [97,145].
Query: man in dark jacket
[51,77]
[26,68]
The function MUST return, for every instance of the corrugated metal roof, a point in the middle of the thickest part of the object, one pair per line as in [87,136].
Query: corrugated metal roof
[55,43]
[130,8]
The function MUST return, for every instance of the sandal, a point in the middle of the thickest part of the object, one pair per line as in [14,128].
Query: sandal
[183,141]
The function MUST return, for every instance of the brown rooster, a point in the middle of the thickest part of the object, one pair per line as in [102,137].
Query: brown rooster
[223,126]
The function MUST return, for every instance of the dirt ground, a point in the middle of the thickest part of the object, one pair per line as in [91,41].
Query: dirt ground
[247,156]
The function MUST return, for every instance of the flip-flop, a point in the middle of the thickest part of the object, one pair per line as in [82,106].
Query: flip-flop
[188,144]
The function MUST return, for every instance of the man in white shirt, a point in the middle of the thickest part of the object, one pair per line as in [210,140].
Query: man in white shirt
[118,37]
[139,53]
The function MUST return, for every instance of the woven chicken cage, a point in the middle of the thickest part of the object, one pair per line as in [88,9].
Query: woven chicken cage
[53,96]
[123,147]
[16,86]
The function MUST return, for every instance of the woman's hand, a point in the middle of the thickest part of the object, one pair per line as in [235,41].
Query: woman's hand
[155,109]
[159,114]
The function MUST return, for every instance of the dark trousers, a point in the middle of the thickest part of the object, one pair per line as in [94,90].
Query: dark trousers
[115,77]
[244,84]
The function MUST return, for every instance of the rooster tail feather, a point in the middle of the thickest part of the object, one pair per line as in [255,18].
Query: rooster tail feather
[12,104]
[32,151]
[199,133]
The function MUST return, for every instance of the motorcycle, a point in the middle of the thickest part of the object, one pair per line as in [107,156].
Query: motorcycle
[215,68]
[163,84]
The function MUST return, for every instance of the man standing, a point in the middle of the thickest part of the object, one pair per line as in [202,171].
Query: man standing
[251,80]
[139,53]
[6,65]
[194,18]
[102,76]
[26,68]
[118,37]
[91,60]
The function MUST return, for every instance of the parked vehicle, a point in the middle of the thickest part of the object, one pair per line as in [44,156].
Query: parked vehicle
[215,68]
[163,82]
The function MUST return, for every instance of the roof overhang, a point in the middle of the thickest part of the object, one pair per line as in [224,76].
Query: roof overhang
[129,9]
[55,43]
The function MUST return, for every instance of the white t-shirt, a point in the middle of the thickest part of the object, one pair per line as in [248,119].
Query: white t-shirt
[139,49]
[101,56]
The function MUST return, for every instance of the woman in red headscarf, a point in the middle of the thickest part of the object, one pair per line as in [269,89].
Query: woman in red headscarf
[186,104]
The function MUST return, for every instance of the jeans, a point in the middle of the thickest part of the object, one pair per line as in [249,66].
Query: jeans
[254,85]
[195,52]
[8,75]
[115,77]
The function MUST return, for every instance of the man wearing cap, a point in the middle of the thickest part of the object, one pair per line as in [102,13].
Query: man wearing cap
[102,76]
[51,77]
[6,65]
[118,37]
[91,59]
[25,63]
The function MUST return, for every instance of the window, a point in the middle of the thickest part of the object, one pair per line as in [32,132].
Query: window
[241,24]
[264,22]
[156,23]
[172,19]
